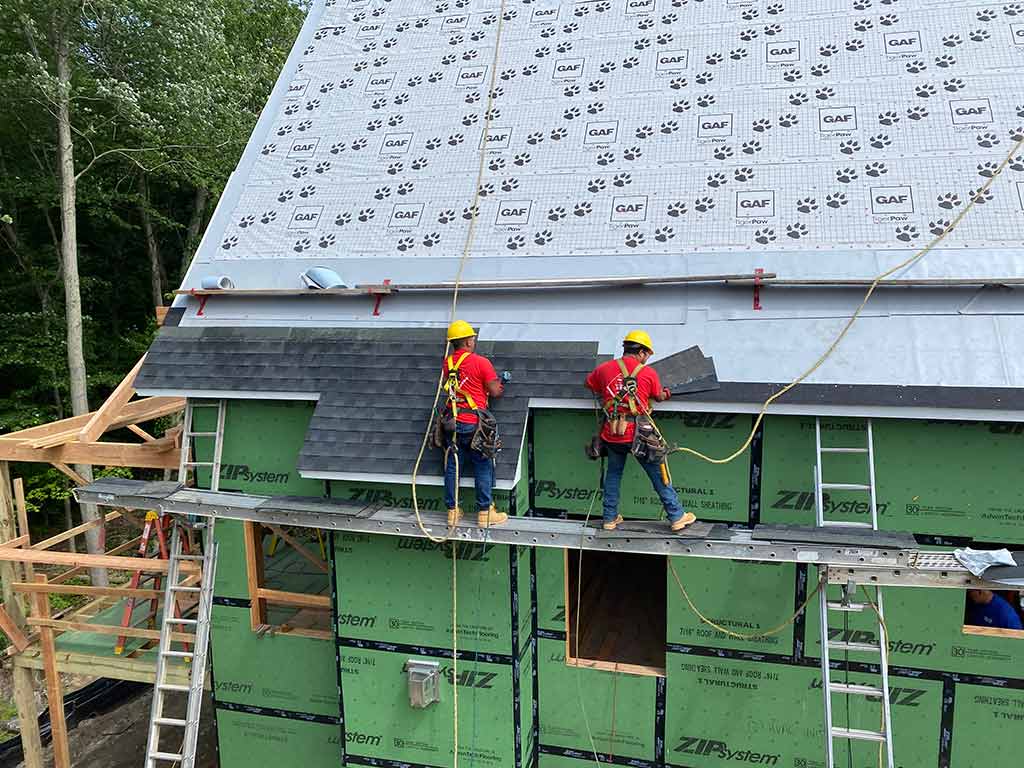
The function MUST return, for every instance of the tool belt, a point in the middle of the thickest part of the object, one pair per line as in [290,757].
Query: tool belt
[485,439]
[648,446]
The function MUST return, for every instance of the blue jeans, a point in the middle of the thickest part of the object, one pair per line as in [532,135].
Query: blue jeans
[483,469]
[617,453]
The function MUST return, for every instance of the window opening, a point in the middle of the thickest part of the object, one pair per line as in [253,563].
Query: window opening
[994,613]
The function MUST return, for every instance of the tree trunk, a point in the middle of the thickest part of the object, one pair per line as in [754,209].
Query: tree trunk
[69,258]
[199,202]
[152,247]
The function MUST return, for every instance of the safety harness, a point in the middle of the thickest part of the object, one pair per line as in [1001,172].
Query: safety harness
[485,439]
[648,444]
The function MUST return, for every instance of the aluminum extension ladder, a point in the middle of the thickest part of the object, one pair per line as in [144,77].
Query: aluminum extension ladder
[846,605]
[195,659]
[188,435]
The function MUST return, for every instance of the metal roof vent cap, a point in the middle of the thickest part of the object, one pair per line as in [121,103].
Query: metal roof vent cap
[322,278]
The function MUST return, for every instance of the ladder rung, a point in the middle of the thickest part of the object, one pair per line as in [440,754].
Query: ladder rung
[847,524]
[174,687]
[188,557]
[198,463]
[178,654]
[167,757]
[851,607]
[860,690]
[185,589]
[846,486]
[839,645]
[170,721]
[857,733]
[844,450]
[201,434]
[176,620]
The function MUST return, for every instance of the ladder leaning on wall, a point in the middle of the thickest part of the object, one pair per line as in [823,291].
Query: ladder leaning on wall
[174,620]
[846,605]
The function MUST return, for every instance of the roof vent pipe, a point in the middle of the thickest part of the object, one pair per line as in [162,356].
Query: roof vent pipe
[322,278]
[217,283]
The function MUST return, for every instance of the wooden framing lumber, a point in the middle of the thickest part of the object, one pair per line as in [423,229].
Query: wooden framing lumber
[92,561]
[254,573]
[142,455]
[104,416]
[297,546]
[135,429]
[21,508]
[17,542]
[78,569]
[13,631]
[315,602]
[70,533]
[28,717]
[133,413]
[76,478]
[48,625]
[54,690]
[23,587]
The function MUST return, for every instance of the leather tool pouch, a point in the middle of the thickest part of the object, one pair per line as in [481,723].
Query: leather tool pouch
[444,429]
[485,439]
[648,446]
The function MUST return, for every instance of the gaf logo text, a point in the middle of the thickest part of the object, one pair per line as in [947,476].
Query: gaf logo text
[306,217]
[902,42]
[629,208]
[396,143]
[382,81]
[567,69]
[454,22]
[471,77]
[672,61]
[755,204]
[832,119]
[639,6]
[782,53]
[544,14]
[370,30]
[297,88]
[711,126]
[496,138]
[1017,33]
[513,212]
[970,111]
[603,132]
[406,215]
[303,147]
[891,200]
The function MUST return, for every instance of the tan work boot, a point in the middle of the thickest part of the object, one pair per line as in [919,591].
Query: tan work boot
[454,515]
[611,525]
[688,519]
[486,518]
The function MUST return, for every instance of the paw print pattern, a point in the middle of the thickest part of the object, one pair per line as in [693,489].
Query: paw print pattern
[470,212]
[305,125]
[596,185]
[798,98]
[455,139]
[582,208]
[634,239]
[907,232]
[268,149]
[917,113]
[751,147]
[979,35]
[988,170]
[1016,163]
[229,242]
[644,132]
[523,158]
[595,86]
[342,219]
[915,67]
[761,125]
[378,103]
[846,175]
[630,62]
[987,140]
[724,153]
[496,164]
[676,209]
[595,108]
[291,109]
[764,236]
[939,226]
[981,195]
[716,180]
[571,90]
[888,118]
[419,163]
[405,188]
[535,138]
[556,214]
[664,234]
[820,70]
[374,125]
[302,244]
[515,242]
[486,189]
[889,19]
[796,231]
[284,130]
[447,216]
[622,179]
[807,205]
[632,153]
[830,49]
[678,83]
[855,44]
[945,61]
[949,200]
[824,94]
[366,214]
[880,141]
[680,105]
[792,75]
[268,217]
[395,168]
[703,204]
[849,147]
[925,90]
[986,14]
[382,193]
[669,127]
[836,200]
[285,195]
[788,120]
[745,173]
[876,169]
[246,221]
[299,171]
[543,237]
[326,241]
[405,244]
[706,100]
[557,134]
[431,239]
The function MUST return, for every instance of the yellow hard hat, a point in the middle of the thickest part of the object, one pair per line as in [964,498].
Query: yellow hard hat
[460,329]
[639,337]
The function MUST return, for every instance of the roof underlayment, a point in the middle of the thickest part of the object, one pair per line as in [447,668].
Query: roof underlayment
[809,138]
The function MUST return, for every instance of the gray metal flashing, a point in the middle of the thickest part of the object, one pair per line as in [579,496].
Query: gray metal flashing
[837,549]
[228,394]
[399,479]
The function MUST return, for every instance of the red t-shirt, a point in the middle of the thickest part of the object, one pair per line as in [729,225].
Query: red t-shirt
[474,373]
[606,380]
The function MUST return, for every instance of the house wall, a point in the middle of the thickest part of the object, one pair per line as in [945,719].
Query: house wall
[722,700]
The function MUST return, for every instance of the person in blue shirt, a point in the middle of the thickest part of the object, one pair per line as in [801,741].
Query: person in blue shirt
[987,609]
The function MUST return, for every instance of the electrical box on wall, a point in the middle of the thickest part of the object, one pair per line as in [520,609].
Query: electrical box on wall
[423,678]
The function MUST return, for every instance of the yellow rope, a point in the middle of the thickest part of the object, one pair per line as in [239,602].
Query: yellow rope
[741,635]
[854,317]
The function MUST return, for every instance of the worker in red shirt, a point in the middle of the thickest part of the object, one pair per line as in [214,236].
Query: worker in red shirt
[626,387]
[470,380]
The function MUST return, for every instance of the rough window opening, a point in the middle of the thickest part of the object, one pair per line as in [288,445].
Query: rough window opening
[994,613]
[289,582]
[622,621]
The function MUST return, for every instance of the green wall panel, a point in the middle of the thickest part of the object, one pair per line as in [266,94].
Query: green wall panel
[629,698]
[399,590]
[523,596]
[926,628]
[551,588]
[246,740]
[377,708]
[566,479]
[934,477]
[526,704]
[231,580]
[720,712]
[987,726]
[429,498]
[276,671]
[742,597]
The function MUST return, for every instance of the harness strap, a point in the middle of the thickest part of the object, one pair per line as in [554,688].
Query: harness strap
[452,385]
[625,392]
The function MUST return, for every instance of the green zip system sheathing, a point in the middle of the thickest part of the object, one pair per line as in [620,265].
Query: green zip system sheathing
[723,700]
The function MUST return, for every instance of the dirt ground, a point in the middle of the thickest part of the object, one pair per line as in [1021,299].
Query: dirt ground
[117,739]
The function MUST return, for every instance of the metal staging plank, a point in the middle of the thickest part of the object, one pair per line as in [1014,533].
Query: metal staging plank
[838,535]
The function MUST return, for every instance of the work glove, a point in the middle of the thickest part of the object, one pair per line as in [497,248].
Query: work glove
[666,393]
